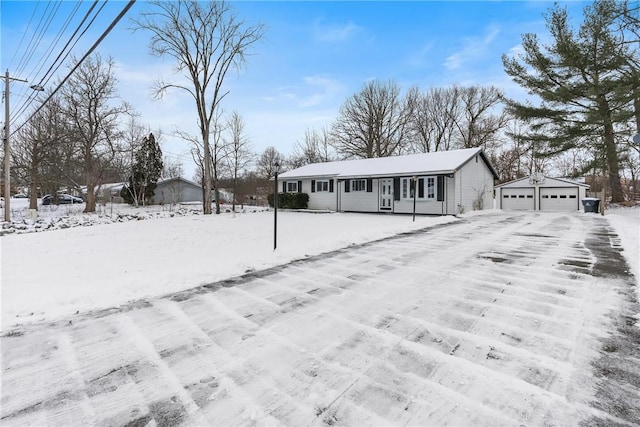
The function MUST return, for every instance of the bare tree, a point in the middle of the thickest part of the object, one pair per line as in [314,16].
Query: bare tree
[172,168]
[434,118]
[90,105]
[33,150]
[482,118]
[373,122]
[133,134]
[215,165]
[266,163]
[316,148]
[238,152]
[206,39]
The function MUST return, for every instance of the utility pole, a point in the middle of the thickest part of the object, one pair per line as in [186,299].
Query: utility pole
[7,148]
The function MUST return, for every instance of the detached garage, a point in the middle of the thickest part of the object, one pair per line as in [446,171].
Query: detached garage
[539,193]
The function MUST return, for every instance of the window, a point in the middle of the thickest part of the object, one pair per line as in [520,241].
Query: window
[407,187]
[359,185]
[322,186]
[292,187]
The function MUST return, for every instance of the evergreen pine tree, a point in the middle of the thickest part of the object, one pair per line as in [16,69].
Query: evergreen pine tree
[582,81]
[146,172]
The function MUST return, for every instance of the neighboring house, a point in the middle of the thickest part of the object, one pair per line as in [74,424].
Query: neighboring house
[447,182]
[540,193]
[177,190]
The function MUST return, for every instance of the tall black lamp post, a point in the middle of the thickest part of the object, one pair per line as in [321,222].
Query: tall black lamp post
[415,188]
[275,207]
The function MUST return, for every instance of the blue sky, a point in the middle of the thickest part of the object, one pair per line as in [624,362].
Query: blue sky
[315,55]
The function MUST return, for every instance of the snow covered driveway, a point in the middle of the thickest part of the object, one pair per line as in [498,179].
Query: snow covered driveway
[505,319]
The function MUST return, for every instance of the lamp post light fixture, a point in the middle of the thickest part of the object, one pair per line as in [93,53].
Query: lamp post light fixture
[415,188]
[275,206]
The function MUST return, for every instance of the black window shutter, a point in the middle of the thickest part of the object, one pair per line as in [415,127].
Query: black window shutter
[347,184]
[421,188]
[313,185]
[284,186]
[369,185]
[396,188]
[330,186]
[299,186]
[440,188]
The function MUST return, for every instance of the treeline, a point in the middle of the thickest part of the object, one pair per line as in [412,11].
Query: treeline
[583,111]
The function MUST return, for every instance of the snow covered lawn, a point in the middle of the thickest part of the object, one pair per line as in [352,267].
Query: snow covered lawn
[55,273]
[506,318]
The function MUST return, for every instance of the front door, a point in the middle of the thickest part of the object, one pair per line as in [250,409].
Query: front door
[386,195]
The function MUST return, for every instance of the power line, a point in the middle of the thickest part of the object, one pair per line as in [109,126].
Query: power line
[64,27]
[44,80]
[74,44]
[36,38]
[95,45]
[24,34]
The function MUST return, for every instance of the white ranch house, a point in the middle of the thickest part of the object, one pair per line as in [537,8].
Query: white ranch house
[446,182]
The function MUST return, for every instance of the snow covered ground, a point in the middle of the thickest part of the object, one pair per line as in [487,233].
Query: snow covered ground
[502,318]
[85,262]
[92,261]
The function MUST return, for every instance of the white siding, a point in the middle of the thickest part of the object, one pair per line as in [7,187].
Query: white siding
[474,185]
[321,200]
[430,207]
[359,201]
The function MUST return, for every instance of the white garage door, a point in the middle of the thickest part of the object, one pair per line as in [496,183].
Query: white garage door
[517,198]
[559,199]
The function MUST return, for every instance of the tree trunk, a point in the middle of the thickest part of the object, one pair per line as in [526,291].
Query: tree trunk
[615,188]
[636,105]
[33,189]
[207,175]
[611,153]
[91,198]
[33,195]
[233,198]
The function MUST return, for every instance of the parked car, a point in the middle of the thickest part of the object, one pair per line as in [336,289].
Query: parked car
[20,196]
[63,199]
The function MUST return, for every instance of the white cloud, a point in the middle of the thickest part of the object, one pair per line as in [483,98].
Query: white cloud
[312,92]
[326,89]
[335,33]
[421,56]
[472,48]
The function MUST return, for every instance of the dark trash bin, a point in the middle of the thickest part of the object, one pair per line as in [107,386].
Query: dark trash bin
[591,204]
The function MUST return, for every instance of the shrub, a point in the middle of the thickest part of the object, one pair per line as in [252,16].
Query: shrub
[290,200]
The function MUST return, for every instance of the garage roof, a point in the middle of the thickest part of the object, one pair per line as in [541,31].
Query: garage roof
[439,162]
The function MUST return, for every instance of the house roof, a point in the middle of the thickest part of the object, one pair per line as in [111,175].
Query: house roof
[178,178]
[438,162]
[548,182]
